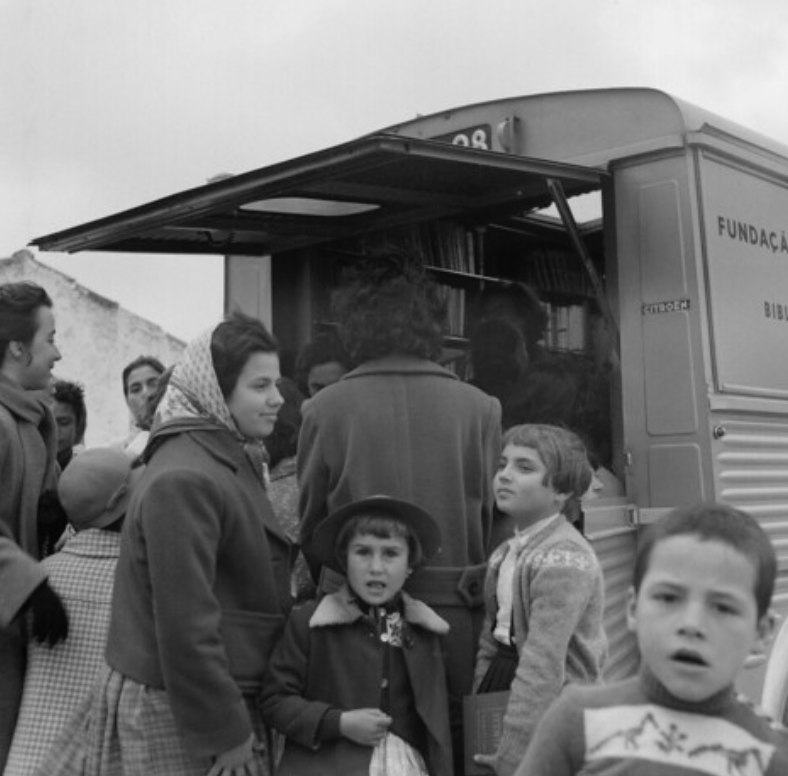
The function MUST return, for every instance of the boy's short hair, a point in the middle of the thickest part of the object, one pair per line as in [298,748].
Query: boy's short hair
[383,526]
[563,453]
[716,522]
[73,394]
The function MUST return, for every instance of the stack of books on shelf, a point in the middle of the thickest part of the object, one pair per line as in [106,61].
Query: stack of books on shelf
[567,327]
[455,311]
[445,245]
[557,270]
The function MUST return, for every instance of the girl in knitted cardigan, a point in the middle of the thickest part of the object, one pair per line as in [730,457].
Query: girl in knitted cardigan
[544,590]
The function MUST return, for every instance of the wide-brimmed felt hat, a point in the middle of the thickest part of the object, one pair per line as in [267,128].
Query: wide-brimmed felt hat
[418,520]
[96,486]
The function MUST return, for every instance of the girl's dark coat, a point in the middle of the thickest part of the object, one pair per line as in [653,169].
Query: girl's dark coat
[330,659]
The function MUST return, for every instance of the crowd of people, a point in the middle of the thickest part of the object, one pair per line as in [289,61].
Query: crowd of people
[309,573]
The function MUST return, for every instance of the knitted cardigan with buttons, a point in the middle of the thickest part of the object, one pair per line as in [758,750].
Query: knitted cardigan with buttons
[557,611]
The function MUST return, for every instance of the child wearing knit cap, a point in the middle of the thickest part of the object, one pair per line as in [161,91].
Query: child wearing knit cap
[94,490]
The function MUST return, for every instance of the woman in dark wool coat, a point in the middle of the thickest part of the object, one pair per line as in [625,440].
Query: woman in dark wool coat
[202,585]
[402,425]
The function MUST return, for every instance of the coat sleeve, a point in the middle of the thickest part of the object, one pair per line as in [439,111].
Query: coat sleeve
[559,582]
[182,514]
[313,474]
[491,452]
[558,743]
[283,704]
[487,647]
[20,573]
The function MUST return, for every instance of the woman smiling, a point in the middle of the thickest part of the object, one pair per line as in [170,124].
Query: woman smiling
[202,585]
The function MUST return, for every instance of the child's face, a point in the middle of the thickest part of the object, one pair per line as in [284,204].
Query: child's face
[377,568]
[519,486]
[695,615]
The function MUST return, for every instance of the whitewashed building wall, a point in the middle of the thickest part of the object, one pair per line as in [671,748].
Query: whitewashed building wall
[97,338]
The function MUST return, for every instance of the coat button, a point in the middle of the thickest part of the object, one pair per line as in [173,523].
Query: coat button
[384,683]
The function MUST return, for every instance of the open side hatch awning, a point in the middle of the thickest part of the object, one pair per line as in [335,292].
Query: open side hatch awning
[375,182]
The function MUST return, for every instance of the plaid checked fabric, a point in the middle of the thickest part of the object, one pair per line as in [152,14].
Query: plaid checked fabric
[127,729]
[58,678]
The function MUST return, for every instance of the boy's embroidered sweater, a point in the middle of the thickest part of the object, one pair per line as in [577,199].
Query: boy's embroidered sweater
[557,613]
[636,727]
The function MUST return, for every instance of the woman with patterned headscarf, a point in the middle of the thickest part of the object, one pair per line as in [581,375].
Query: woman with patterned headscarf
[202,584]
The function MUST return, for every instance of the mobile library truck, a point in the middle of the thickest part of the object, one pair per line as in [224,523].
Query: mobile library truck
[655,234]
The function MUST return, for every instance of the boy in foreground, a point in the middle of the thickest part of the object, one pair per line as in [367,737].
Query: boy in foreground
[704,578]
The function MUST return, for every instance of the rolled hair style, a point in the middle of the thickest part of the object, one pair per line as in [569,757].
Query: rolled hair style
[19,304]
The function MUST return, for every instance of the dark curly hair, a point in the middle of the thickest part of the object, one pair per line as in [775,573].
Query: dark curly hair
[323,349]
[390,305]
[73,394]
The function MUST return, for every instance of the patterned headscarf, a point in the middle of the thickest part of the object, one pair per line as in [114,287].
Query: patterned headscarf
[193,393]
[193,390]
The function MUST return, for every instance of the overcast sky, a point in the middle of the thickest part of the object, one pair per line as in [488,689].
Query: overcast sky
[105,105]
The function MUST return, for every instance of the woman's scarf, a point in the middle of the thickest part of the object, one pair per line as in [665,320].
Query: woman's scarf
[35,426]
[28,405]
[193,393]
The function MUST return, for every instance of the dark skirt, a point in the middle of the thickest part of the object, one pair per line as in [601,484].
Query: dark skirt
[500,673]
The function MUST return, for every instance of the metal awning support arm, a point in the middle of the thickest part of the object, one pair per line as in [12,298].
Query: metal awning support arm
[568,219]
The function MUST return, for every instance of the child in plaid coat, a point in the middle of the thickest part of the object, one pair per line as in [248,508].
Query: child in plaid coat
[94,491]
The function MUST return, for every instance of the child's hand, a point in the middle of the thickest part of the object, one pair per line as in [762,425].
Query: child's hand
[364,726]
[487,760]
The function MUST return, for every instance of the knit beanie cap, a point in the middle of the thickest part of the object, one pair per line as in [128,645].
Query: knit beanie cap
[96,486]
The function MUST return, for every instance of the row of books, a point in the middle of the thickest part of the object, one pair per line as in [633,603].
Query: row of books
[446,245]
[556,270]
[450,246]
[567,327]
[455,311]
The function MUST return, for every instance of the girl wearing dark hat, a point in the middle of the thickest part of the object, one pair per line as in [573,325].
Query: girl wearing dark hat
[357,684]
